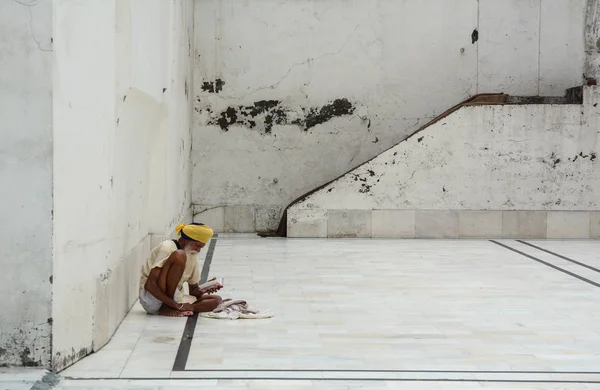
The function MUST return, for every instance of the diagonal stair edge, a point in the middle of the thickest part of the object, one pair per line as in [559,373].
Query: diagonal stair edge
[479,99]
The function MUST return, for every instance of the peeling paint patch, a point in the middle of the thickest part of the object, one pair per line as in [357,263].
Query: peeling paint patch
[365,188]
[314,117]
[213,86]
[228,118]
[366,183]
[264,114]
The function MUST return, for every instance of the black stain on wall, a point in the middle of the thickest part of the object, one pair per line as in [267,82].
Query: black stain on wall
[265,114]
[592,156]
[365,188]
[474,36]
[65,361]
[24,344]
[213,86]
[552,161]
[316,116]
[228,118]
[26,360]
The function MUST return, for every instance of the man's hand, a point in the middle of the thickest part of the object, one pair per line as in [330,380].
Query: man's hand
[211,290]
[186,307]
[195,290]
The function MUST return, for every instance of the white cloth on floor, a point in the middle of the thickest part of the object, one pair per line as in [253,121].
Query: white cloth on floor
[234,309]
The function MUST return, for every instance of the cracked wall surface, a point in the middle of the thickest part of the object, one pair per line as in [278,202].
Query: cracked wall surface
[499,160]
[397,64]
[26,182]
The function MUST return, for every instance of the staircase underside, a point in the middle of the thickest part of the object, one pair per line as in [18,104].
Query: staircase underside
[572,96]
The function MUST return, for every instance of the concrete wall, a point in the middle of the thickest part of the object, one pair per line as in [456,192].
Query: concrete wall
[592,40]
[484,171]
[26,182]
[291,94]
[121,164]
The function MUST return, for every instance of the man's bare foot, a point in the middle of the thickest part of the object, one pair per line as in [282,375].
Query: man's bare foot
[167,311]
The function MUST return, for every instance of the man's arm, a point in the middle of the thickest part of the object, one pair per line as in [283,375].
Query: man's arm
[195,291]
[152,287]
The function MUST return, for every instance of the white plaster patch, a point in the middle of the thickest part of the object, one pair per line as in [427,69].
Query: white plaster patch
[526,157]
[122,142]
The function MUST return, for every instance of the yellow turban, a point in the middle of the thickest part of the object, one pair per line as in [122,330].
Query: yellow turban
[195,232]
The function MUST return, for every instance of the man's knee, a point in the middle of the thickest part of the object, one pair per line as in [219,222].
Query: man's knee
[178,258]
[213,302]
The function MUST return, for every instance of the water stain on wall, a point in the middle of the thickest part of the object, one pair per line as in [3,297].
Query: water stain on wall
[62,361]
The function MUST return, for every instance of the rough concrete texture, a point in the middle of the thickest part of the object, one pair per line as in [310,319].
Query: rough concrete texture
[592,40]
[318,88]
[496,158]
[26,182]
[131,141]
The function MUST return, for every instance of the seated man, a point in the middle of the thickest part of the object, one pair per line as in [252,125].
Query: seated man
[170,264]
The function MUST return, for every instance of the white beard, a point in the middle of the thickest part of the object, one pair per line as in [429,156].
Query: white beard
[189,251]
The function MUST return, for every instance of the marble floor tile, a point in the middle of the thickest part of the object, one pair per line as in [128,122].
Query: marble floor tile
[412,307]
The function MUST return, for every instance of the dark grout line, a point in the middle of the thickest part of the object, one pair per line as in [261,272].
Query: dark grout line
[561,256]
[190,326]
[546,263]
[396,371]
[344,379]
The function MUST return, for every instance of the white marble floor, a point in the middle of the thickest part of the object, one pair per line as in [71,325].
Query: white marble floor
[366,313]
[21,378]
